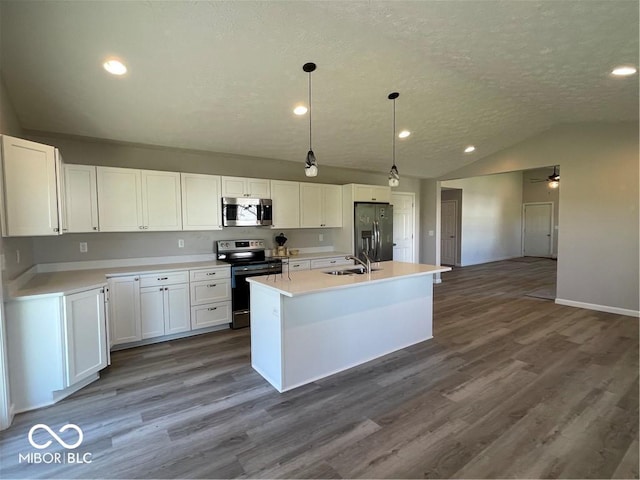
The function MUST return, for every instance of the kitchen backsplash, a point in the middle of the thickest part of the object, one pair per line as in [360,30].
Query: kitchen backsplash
[108,246]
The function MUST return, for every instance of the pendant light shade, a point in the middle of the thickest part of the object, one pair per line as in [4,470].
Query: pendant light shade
[310,165]
[394,176]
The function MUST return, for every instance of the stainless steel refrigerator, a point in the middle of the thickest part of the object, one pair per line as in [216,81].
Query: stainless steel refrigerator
[373,224]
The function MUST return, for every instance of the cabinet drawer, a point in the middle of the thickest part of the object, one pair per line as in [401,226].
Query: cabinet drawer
[299,265]
[209,274]
[210,291]
[210,315]
[166,278]
[330,262]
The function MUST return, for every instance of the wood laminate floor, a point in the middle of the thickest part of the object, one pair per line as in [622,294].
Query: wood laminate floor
[510,387]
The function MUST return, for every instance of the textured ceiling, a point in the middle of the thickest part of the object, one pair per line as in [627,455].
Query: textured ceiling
[224,76]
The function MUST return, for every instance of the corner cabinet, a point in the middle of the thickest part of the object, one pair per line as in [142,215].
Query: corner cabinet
[200,202]
[320,205]
[286,204]
[245,187]
[30,188]
[56,345]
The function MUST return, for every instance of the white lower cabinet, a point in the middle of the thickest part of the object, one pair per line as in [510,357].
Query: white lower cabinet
[299,265]
[210,297]
[148,306]
[164,304]
[164,310]
[56,345]
[210,315]
[330,262]
[124,309]
[85,334]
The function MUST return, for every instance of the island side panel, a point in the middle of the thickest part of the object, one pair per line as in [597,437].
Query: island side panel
[327,332]
[266,334]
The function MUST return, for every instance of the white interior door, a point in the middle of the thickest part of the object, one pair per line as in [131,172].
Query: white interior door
[538,229]
[403,227]
[449,232]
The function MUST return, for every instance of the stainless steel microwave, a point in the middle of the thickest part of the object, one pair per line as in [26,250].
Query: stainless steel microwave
[246,212]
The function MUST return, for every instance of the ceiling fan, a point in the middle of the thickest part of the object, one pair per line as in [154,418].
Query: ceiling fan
[553,179]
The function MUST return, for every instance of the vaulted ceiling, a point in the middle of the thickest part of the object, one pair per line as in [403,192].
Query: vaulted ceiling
[224,76]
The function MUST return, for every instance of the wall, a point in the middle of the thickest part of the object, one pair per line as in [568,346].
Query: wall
[104,246]
[491,217]
[430,222]
[540,192]
[455,194]
[598,242]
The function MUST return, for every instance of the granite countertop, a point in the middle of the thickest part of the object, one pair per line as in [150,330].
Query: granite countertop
[311,281]
[73,281]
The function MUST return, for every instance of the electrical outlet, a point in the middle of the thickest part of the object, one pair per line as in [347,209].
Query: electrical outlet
[180,243]
[17,256]
[321,237]
[83,247]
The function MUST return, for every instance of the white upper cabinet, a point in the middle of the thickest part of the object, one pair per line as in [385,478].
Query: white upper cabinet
[132,200]
[371,193]
[81,199]
[161,203]
[320,205]
[200,202]
[245,187]
[120,199]
[30,182]
[286,204]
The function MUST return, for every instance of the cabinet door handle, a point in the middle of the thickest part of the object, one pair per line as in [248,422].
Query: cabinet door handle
[212,308]
[136,279]
[95,228]
[163,278]
[332,261]
[65,229]
[161,288]
[212,273]
[374,199]
[56,230]
[140,227]
[212,285]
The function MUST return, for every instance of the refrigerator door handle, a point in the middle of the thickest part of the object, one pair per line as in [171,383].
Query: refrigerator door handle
[376,230]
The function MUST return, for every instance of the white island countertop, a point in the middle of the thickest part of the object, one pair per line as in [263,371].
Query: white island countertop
[311,281]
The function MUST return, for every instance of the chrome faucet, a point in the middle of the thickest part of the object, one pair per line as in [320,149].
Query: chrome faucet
[366,266]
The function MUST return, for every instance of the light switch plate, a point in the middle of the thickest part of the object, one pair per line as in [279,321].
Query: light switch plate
[83,247]
[180,243]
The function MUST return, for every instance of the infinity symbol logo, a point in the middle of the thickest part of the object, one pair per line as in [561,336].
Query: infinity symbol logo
[68,426]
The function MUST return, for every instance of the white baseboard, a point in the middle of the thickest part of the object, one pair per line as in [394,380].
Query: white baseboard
[599,308]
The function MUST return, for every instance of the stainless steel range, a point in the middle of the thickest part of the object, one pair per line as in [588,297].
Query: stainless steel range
[247,259]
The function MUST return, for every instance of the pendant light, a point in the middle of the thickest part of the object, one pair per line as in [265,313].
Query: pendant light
[554,178]
[394,176]
[310,166]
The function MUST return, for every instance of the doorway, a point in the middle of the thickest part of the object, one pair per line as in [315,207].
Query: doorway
[449,232]
[537,229]
[404,223]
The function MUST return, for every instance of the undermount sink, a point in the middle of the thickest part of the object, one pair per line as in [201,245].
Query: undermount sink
[350,271]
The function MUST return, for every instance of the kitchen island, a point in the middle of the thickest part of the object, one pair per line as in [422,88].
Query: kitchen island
[307,325]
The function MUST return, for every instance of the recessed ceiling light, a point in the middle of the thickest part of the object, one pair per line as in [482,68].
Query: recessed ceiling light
[300,110]
[623,71]
[469,149]
[404,134]
[115,67]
